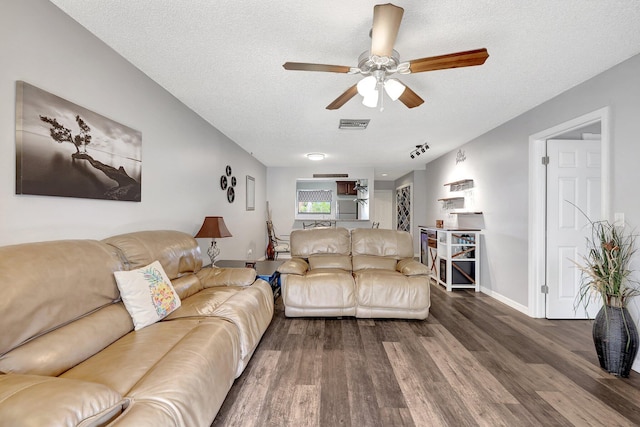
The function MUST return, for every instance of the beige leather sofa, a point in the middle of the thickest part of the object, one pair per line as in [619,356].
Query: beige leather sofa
[69,355]
[367,273]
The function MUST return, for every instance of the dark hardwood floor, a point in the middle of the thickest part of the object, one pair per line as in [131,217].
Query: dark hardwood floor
[474,361]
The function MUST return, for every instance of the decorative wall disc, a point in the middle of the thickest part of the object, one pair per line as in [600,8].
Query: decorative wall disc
[227,182]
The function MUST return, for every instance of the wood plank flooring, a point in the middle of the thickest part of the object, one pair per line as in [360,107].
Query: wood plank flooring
[473,362]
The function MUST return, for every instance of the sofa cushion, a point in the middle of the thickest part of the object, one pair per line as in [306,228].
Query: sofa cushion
[32,400]
[185,366]
[366,262]
[178,252]
[342,262]
[411,267]
[147,294]
[250,308]
[226,276]
[390,294]
[47,285]
[51,354]
[381,242]
[324,288]
[305,243]
[186,286]
[294,266]
[204,302]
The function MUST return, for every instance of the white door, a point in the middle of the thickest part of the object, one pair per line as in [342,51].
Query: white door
[573,181]
[383,208]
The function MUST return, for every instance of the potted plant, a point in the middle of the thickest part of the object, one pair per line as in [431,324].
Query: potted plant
[606,277]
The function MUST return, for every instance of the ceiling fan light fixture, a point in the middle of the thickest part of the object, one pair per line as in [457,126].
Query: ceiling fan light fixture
[394,88]
[316,156]
[371,99]
[366,86]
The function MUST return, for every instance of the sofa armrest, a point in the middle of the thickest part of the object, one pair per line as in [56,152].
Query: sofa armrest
[411,267]
[294,266]
[40,400]
[214,276]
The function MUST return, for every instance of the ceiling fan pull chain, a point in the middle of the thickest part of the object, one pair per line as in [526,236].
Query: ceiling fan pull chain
[381,95]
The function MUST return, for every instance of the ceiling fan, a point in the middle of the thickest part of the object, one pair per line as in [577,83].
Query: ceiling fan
[382,61]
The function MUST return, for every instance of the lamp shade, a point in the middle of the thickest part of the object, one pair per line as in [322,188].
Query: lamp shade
[214,227]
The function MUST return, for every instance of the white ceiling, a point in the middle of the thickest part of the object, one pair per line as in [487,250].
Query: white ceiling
[223,59]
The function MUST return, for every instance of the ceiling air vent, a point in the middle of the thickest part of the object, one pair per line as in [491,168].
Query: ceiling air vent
[354,123]
[331,175]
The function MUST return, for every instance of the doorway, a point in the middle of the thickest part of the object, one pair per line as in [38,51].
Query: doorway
[537,258]
[383,211]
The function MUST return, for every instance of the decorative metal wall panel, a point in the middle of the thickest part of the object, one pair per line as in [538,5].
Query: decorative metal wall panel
[403,203]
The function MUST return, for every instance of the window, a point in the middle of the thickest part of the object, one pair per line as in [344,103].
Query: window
[314,201]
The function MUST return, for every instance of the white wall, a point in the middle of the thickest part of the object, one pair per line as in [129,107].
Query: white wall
[183,156]
[499,164]
[281,193]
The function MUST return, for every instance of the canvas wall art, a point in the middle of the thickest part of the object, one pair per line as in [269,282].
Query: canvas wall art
[63,149]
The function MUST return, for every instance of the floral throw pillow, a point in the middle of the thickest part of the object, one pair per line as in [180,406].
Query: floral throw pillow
[147,294]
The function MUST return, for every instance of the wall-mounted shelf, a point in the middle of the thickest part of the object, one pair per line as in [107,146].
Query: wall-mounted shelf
[452,202]
[459,185]
[467,213]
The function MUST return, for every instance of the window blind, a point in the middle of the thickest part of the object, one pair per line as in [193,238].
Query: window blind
[314,195]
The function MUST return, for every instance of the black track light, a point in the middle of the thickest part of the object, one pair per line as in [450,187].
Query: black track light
[422,148]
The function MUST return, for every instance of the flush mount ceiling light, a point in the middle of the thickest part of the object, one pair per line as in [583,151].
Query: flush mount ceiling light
[316,156]
[419,150]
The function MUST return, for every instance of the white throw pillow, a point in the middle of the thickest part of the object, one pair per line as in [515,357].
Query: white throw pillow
[147,294]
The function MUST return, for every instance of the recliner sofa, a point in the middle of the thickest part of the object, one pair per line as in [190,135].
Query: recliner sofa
[366,273]
[69,355]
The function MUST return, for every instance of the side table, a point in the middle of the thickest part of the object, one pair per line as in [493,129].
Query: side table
[266,270]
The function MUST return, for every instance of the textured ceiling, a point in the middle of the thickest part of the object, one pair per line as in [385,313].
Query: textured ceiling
[223,59]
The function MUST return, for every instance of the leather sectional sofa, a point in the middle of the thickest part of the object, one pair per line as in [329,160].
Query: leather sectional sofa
[69,355]
[366,273]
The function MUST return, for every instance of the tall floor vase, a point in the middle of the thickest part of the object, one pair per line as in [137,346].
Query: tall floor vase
[616,339]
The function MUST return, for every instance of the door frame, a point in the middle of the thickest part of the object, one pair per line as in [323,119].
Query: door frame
[537,197]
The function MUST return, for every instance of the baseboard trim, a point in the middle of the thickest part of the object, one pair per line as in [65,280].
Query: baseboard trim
[511,303]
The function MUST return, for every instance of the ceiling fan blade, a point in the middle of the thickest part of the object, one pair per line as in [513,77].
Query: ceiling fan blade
[303,66]
[410,98]
[342,99]
[453,60]
[386,23]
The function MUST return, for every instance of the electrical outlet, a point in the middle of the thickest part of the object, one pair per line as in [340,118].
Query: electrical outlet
[618,219]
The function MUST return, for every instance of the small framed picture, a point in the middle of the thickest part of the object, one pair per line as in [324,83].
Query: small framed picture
[250,264]
[251,193]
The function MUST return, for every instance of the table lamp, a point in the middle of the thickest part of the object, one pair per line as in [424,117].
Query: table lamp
[214,228]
